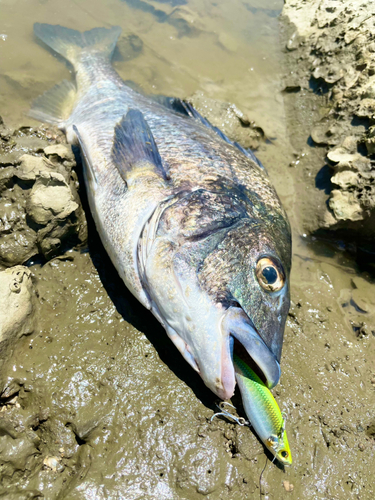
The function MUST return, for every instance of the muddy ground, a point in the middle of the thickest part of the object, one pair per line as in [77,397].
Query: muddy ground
[96,402]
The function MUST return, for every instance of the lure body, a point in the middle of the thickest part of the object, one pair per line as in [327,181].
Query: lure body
[262,411]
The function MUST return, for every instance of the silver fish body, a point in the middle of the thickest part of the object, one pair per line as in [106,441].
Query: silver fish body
[189,219]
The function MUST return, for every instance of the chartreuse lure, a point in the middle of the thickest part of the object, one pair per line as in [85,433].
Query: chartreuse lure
[262,411]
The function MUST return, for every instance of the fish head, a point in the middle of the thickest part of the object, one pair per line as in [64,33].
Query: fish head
[260,287]
[219,280]
[249,274]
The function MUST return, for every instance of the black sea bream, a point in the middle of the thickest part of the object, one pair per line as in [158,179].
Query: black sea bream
[189,219]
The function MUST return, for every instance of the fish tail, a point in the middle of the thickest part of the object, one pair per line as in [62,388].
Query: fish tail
[71,44]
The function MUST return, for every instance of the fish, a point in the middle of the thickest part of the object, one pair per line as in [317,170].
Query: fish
[262,411]
[189,218]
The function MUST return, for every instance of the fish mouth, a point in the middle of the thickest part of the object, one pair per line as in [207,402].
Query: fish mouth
[245,341]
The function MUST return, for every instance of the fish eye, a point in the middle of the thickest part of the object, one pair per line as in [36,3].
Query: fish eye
[284,454]
[270,274]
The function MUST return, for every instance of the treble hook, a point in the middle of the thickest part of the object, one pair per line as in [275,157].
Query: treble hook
[227,414]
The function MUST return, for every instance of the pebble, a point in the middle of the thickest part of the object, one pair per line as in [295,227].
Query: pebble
[288,486]
[361,446]
[52,463]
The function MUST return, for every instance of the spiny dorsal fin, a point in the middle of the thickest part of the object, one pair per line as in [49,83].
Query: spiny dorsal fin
[173,103]
[194,113]
[134,146]
[55,105]
[71,43]
[184,108]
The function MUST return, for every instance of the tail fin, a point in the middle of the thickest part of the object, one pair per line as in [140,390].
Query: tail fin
[71,43]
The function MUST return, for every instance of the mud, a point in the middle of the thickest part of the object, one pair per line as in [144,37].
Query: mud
[96,402]
[40,212]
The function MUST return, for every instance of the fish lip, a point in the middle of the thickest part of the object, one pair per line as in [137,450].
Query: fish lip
[240,327]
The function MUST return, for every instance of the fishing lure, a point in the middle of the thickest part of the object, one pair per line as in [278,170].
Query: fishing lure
[262,410]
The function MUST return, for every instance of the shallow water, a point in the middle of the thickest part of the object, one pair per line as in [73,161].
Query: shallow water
[222,48]
[131,417]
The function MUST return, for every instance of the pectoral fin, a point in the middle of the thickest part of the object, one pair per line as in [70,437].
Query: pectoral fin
[134,150]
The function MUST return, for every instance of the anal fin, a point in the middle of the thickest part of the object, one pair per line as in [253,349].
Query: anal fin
[55,105]
[134,147]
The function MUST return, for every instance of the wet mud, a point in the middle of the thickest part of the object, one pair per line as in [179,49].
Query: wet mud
[95,400]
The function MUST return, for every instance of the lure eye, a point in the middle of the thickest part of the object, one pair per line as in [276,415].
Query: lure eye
[270,274]
[284,454]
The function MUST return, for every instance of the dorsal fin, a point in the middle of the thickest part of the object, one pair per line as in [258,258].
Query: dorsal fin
[187,109]
[134,146]
[173,103]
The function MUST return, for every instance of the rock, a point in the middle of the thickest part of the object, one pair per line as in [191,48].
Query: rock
[50,197]
[329,73]
[366,108]
[293,42]
[344,159]
[327,132]
[52,463]
[370,140]
[18,246]
[16,307]
[50,238]
[345,179]
[32,166]
[59,152]
[288,486]
[345,206]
